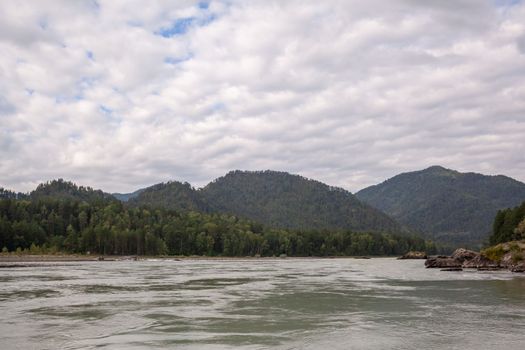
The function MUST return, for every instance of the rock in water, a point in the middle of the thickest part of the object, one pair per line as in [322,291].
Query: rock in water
[462,254]
[442,262]
[414,255]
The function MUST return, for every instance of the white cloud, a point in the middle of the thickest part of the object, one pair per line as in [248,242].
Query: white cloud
[342,91]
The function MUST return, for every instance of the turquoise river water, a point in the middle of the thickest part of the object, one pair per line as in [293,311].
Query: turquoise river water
[379,303]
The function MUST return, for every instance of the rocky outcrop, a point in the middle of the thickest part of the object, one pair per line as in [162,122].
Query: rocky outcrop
[480,262]
[442,262]
[513,261]
[461,259]
[462,254]
[510,255]
[414,255]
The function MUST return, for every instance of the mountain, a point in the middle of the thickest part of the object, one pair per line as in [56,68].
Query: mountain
[275,199]
[60,189]
[444,204]
[171,195]
[279,199]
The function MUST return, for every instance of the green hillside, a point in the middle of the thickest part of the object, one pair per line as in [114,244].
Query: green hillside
[60,189]
[446,205]
[279,199]
[275,199]
[172,195]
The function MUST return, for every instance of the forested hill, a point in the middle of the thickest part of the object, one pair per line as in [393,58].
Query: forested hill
[60,189]
[275,199]
[60,216]
[448,206]
[279,199]
[172,195]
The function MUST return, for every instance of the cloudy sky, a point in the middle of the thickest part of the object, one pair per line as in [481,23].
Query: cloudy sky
[122,94]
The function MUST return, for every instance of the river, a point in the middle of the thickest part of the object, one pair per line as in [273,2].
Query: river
[289,303]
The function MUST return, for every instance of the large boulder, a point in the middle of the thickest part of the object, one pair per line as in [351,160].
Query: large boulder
[442,262]
[462,254]
[414,255]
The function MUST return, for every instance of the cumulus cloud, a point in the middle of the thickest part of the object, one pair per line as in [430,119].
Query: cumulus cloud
[122,94]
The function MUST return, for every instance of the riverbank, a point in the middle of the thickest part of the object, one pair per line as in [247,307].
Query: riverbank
[57,258]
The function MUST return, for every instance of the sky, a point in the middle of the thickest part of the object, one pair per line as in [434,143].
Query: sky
[119,95]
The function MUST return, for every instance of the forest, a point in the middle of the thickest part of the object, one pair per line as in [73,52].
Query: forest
[43,224]
[509,225]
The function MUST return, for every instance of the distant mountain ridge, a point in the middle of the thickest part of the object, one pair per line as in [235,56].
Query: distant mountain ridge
[272,198]
[444,204]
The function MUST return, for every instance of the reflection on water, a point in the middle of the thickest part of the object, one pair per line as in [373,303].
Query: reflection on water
[259,304]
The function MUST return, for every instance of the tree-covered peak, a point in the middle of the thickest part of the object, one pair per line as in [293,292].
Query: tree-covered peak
[281,178]
[273,198]
[63,189]
[448,205]
[280,199]
[439,170]
[175,195]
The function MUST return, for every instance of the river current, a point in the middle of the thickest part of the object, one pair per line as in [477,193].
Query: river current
[379,303]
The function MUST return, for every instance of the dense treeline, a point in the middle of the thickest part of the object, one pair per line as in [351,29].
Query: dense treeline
[46,224]
[509,225]
[5,194]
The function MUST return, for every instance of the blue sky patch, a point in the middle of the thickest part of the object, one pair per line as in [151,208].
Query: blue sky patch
[177,60]
[105,110]
[179,27]
[507,3]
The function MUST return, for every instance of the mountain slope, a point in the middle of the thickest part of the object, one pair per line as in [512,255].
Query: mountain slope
[171,195]
[447,205]
[279,199]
